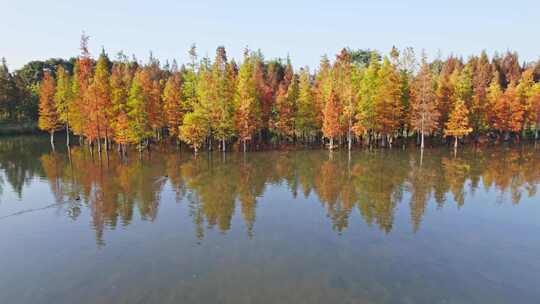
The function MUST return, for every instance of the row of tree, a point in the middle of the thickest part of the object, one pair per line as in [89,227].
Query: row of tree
[359,98]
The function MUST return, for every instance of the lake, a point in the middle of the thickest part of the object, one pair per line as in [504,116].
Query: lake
[381,226]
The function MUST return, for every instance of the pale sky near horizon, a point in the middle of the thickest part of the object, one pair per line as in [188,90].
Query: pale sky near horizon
[305,30]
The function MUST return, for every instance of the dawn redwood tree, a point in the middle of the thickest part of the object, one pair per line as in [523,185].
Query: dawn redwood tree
[305,118]
[139,126]
[366,121]
[458,123]
[322,89]
[425,115]
[246,100]
[102,106]
[342,74]
[331,125]
[508,112]
[534,109]
[480,81]
[48,117]
[63,98]
[120,81]
[82,78]
[494,93]
[222,112]
[388,106]
[172,104]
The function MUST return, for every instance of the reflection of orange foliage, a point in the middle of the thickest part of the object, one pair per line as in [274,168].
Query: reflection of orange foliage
[373,183]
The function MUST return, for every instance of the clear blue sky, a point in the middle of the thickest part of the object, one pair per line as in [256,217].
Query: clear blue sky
[306,30]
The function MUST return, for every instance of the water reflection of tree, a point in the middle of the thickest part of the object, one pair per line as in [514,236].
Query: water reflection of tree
[374,183]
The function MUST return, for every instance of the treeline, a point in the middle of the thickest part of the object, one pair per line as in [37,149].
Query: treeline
[359,98]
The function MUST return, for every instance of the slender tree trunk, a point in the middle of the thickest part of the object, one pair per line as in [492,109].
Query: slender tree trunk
[223,146]
[349,135]
[52,140]
[455,142]
[422,140]
[244,141]
[67,134]
[331,146]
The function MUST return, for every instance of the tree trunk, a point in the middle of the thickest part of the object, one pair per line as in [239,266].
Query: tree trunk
[67,135]
[52,140]
[455,142]
[244,142]
[422,140]
[331,146]
[223,146]
[349,135]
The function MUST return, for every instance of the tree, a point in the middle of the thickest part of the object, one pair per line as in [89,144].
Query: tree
[120,86]
[139,126]
[480,81]
[82,76]
[285,107]
[331,126]
[508,112]
[458,123]
[425,115]
[494,94]
[366,120]
[100,105]
[7,92]
[305,118]
[48,117]
[342,74]
[388,106]
[193,131]
[172,104]
[63,98]
[534,109]
[246,100]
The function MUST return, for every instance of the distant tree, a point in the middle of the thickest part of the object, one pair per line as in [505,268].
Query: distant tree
[8,100]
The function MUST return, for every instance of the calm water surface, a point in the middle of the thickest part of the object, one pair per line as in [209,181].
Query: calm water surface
[269,227]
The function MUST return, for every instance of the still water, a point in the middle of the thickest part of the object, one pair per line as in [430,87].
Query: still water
[269,227]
